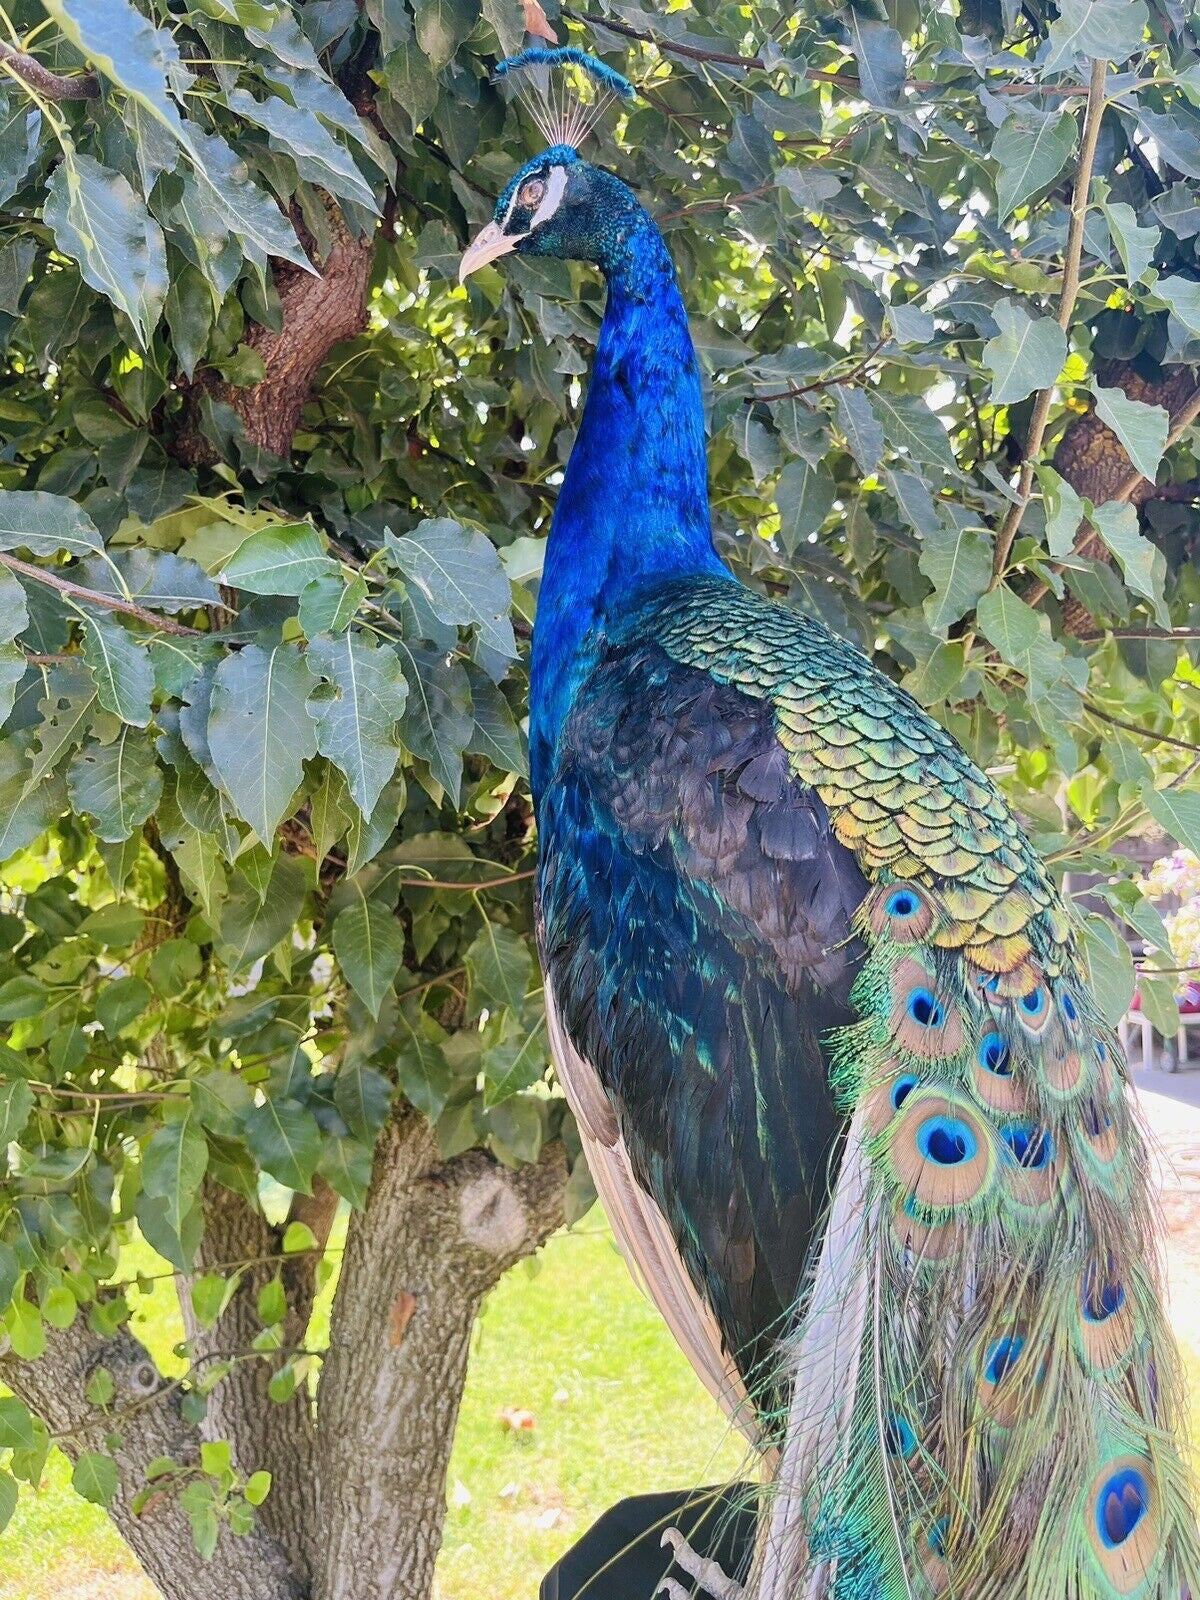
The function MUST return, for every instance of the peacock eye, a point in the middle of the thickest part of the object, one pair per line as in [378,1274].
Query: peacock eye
[532,193]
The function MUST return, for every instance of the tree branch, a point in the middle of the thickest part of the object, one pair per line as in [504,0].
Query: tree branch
[1092,116]
[50,85]
[1136,728]
[93,597]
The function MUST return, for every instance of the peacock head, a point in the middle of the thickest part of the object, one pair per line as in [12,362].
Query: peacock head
[556,205]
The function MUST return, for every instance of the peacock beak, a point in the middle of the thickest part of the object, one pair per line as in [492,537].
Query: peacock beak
[487,245]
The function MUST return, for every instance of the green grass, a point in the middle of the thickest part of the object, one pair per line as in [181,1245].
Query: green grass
[618,1412]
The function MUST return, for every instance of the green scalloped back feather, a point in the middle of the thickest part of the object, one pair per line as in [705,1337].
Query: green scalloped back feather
[1018,1399]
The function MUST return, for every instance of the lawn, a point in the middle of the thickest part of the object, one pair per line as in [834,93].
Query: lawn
[569,1339]
[617,1411]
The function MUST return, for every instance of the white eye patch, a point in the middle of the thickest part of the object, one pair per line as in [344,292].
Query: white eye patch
[556,184]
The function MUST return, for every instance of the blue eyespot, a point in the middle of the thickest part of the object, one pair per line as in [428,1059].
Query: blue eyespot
[901,1090]
[1096,1121]
[1123,1502]
[992,984]
[898,1437]
[901,903]
[1030,1147]
[1070,1009]
[1002,1357]
[925,1009]
[1033,1003]
[936,1537]
[946,1141]
[993,1055]
[1099,1305]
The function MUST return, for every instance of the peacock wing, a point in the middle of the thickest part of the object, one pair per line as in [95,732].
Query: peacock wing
[695,926]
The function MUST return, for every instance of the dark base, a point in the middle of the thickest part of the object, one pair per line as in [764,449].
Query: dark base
[621,1557]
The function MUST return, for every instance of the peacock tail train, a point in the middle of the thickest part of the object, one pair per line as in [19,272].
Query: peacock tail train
[986,1398]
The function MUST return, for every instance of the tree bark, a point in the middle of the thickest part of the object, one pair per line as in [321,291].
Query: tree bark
[435,1237]
[261,1432]
[1095,463]
[146,1412]
[318,313]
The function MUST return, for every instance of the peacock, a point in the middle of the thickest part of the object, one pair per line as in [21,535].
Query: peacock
[817,1009]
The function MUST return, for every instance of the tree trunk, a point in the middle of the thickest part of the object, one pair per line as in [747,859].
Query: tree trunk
[261,1432]
[435,1237]
[146,1411]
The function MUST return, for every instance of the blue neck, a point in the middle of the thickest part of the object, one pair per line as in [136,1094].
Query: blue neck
[633,508]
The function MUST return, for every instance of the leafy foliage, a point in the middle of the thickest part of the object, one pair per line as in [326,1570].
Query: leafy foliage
[262,648]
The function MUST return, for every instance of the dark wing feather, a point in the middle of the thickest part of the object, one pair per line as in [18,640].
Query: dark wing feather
[695,923]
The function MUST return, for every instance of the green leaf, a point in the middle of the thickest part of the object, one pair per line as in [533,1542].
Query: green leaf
[514,1064]
[1144,565]
[1142,429]
[804,496]
[1028,154]
[104,226]
[423,1071]
[496,734]
[280,559]
[861,427]
[1178,811]
[1023,639]
[154,578]
[1157,996]
[442,25]
[880,56]
[1027,354]
[1182,295]
[117,785]
[16,1425]
[356,722]
[258,1486]
[911,426]
[460,575]
[121,668]
[8,1499]
[500,968]
[958,562]
[127,49]
[95,1477]
[210,1294]
[121,1002]
[260,733]
[362,1095]
[1064,512]
[328,604]
[225,191]
[45,524]
[1104,30]
[437,719]
[272,1309]
[298,133]
[1135,245]
[251,924]
[285,1141]
[1177,143]
[346,1166]
[369,944]
[16,1107]
[1111,977]
[173,1167]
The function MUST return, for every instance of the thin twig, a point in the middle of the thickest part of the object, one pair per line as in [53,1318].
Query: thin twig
[53,85]
[797,390]
[467,888]
[1093,113]
[1136,728]
[93,597]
